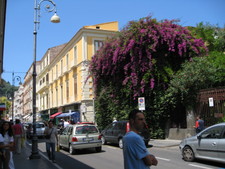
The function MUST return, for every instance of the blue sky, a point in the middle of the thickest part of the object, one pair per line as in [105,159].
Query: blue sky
[74,14]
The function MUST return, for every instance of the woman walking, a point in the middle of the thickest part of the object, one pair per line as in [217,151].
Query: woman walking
[51,140]
[6,136]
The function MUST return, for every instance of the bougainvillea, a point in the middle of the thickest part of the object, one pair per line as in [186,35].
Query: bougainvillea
[141,61]
[144,55]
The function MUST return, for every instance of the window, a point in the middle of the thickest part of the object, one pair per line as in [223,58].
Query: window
[75,87]
[47,77]
[56,96]
[67,61]
[97,45]
[67,90]
[47,59]
[51,98]
[52,74]
[86,129]
[61,94]
[56,67]
[212,133]
[75,55]
[61,67]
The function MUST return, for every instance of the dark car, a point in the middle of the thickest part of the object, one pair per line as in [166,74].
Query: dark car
[115,131]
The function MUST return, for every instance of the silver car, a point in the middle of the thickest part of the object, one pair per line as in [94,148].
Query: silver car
[208,144]
[40,128]
[80,136]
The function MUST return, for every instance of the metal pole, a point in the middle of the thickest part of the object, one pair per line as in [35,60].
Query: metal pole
[35,152]
[13,83]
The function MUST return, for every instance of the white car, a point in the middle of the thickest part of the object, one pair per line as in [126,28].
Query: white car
[208,144]
[80,136]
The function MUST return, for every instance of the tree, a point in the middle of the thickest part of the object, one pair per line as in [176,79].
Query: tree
[140,61]
[200,73]
[212,35]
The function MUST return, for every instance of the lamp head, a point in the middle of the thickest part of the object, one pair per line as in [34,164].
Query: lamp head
[55,18]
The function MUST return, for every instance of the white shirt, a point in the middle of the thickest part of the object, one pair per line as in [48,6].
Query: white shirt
[6,139]
[66,124]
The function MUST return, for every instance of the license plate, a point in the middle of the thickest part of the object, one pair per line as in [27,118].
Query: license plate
[88,139]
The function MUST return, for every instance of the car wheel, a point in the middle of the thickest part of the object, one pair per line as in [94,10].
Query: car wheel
[188,154]
[98,149]
[103,140]
[121,143]
[71,150]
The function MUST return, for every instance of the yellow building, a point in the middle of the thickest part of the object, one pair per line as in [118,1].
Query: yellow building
[62,83]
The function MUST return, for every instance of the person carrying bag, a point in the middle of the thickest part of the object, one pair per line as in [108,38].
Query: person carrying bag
[51,140]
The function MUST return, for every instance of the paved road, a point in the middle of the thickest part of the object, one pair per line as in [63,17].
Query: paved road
[111,158]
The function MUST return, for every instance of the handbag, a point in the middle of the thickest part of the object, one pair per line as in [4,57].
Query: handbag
[57,148]
[48,136]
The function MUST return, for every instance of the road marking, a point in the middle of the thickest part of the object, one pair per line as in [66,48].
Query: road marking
[165,159]
[115,148]
[198,166]
[56,165]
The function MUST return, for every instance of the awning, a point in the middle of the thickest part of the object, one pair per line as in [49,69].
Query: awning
[54,115]
[24,117]
[66,114]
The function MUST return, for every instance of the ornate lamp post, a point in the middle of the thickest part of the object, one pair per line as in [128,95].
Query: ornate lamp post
[50,7]
[14,78]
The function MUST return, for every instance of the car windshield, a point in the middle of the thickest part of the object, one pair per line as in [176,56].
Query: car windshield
[86,129]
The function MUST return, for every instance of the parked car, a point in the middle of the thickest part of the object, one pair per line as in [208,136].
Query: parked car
[115,131]
[80,136]
[209,144]
[40,128]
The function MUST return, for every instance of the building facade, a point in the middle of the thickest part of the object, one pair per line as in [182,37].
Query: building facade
[18,103]
[28,94]
[63,83]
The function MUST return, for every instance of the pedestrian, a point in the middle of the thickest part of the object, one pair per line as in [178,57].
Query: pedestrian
[135,153]
[6,136]
[199,124]
[51,140]
[66,123]
[18,133]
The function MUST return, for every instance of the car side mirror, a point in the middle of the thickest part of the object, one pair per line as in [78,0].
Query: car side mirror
[199,137]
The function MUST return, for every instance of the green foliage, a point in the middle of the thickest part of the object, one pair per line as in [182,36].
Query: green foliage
[6,89]
[213,36]
[5,100]
[200,73]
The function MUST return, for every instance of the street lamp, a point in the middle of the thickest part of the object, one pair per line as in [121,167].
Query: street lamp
[17,78]
[50,7]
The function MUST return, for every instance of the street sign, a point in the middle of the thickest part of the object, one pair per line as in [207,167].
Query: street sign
[211,104]
[141,103]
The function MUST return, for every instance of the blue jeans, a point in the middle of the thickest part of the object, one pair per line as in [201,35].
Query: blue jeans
[50,148]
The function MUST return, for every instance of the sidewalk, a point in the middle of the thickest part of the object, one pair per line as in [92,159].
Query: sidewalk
[164,143]
[22,160]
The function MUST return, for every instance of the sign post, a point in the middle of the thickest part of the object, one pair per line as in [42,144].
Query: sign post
[141,103]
